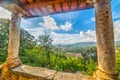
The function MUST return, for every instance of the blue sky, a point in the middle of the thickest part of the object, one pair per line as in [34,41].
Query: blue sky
[80,20]
[69,28]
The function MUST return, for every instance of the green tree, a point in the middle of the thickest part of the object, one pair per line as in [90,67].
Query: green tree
[46,42]
[26,40]
[4,32]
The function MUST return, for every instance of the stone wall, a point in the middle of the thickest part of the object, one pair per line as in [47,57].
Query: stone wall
[25,72]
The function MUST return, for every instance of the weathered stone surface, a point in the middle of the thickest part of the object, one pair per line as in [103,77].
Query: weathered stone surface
[65,76]
[71,76]
[13,8]
[35,71]
[14,35]
[84,77]
[105,41]
[14,41]
[25,72]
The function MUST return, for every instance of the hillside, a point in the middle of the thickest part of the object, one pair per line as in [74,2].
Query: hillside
[81,44]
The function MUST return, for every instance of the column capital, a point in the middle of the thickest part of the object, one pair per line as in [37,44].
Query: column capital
[15,9]
[101,1]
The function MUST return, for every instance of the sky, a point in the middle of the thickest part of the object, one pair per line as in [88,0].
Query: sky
[68,28]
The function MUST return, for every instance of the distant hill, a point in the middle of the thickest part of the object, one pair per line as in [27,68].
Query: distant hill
[81,44]
[85,44]
[117,44]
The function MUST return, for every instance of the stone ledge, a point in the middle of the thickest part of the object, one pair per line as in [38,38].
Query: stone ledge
[71,76]
[45,74]
[36,72]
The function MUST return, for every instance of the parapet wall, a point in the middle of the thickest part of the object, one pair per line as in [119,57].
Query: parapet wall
[25,72]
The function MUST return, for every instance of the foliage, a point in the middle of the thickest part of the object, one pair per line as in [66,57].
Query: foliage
[4,32]
[26,40]
[58,61]
[87,52]
[49,56]
[46,42]
[118,62]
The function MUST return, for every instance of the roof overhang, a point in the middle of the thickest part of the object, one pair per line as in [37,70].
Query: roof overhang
[37,8]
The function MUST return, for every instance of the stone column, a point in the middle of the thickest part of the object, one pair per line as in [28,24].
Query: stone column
[14,40]
[14,36]
[105,42]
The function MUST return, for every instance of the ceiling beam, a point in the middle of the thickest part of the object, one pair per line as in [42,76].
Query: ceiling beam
[48,2]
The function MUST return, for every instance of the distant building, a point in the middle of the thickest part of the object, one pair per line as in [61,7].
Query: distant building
[76,55]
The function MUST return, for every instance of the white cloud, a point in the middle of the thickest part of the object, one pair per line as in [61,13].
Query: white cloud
[25,22]
[49,23]
[36,31]
[5,13]
[66,27]
[117,30]
[81,33]
[116,15]
[91,20]
[88,36]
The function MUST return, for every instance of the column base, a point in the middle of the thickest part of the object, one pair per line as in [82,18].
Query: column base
[13,62]
[101,75]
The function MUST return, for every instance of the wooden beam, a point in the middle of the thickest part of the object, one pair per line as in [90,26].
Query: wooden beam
[53,5]
[61,6]
[40,3]
[50,8]
[23,1]
[82,5]
[30,1]
[57,7]
[38,11]
[65,6]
